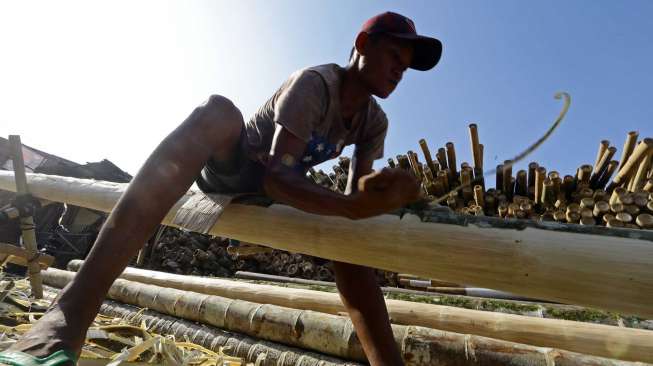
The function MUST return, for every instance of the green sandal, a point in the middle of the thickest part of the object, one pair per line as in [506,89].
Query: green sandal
[17,358]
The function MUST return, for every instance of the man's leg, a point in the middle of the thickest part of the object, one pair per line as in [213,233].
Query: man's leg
[212,130]
[365,304]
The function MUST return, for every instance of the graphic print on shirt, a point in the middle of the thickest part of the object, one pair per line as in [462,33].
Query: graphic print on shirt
[319,150]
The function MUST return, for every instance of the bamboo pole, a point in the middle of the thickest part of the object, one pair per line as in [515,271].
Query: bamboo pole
[27,224]
[602,166]
[476,149]
[326,333]
[232,344]
[540,174]
[642,149]
[427,156]
[441,155]
[629,146]
[463,253]
[451,160]
[603,146]
[639,179]
[607,175]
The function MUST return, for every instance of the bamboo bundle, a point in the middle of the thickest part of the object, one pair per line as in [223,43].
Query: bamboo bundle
[324,333]
[463,252]
[574,336]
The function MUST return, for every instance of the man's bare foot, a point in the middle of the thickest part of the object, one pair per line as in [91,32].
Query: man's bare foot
[53,332]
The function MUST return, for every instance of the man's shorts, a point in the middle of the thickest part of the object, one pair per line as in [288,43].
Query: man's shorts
[240,175]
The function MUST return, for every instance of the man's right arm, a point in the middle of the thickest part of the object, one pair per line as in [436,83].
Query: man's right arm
[286,183]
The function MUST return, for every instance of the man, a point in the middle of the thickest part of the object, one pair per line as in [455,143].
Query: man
[314,114]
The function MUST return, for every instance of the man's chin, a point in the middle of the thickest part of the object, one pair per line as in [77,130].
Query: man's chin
[383,94]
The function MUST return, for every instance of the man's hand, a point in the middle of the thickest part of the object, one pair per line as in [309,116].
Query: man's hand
[384,191]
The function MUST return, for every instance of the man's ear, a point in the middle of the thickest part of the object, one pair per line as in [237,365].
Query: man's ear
[361,42]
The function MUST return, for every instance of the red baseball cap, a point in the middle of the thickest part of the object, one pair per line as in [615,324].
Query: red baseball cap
[427,50]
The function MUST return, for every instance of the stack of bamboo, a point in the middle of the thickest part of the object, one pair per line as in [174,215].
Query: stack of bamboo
[183,252]
[613,193]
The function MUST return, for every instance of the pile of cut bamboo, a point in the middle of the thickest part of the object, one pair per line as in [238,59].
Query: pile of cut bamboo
[183,252]
[592,196]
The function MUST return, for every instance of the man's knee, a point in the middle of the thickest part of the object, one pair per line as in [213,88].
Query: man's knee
[220,117]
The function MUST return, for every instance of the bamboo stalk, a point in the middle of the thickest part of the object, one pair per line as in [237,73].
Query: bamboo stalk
[584,175]
[476,150]
[602,166]
[27,224]
[507,178]
[403,162]
[626,170]
[521,187]
[427,156]
[629,146]
[607,175]
[327,333]
[463,252]
[499,177]
[603,146]
[441,155]
[540,174]
[640,176]
[391,163]
[451,160]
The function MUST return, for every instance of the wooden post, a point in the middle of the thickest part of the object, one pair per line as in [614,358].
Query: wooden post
[27,223]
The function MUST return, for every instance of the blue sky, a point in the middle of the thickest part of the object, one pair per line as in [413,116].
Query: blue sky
[93,80]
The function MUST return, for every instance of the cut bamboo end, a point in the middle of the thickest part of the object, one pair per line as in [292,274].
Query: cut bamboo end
[648,187]
[645,221]
[624,217]
[600,208]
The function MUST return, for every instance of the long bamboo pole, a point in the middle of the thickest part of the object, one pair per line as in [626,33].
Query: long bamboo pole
[454,349]
[27,224]
[570,335]
[316,331]
[535,262]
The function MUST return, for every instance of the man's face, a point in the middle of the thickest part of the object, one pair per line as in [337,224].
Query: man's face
[383,64]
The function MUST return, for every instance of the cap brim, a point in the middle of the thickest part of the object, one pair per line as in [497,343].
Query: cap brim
[427,51]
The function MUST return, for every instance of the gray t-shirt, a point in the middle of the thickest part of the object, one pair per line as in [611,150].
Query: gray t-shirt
[308,106]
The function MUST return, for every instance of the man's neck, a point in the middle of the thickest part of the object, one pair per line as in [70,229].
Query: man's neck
[354,95]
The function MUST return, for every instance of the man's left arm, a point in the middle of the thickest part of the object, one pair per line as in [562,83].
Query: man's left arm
[361,294]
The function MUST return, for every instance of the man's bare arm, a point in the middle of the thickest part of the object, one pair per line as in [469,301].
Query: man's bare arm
[362,296]
[286,183]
